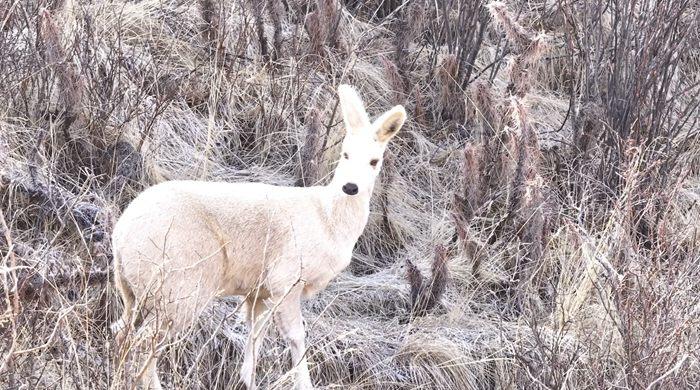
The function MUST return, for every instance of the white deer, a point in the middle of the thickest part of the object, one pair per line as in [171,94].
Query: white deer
[180,244]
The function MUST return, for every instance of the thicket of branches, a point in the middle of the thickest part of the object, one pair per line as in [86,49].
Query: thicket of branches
[535,224]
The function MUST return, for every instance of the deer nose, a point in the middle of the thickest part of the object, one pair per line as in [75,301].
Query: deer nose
[350,189]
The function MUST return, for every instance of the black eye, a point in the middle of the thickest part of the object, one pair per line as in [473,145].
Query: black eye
[345,156]
[374,162]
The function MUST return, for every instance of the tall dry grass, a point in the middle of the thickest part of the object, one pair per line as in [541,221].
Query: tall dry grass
[535,224]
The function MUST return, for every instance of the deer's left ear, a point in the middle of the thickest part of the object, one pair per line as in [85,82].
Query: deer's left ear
[389,123]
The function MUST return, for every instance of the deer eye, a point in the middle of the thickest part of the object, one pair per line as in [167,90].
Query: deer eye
[345,156]
[374,162]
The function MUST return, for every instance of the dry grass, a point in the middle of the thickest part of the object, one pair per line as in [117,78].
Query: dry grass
[535,225]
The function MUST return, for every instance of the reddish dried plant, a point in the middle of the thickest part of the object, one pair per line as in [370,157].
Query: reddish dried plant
[426,293]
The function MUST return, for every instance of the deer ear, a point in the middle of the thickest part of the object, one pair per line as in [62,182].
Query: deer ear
[354,113]
[390,123]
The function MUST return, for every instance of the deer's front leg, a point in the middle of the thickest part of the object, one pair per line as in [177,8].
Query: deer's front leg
[258,320]
[291,326]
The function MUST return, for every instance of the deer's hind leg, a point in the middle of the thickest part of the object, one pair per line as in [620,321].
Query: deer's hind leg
[150,332]
[149,373]
[151,337]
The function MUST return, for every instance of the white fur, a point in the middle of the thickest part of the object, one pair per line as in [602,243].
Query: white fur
[180,244]
[117,325]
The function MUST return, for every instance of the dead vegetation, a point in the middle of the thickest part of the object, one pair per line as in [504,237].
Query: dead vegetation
[535,226]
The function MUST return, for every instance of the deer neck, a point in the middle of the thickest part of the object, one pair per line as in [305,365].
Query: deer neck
[347,215]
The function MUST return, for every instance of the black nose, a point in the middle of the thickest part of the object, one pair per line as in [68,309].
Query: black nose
[350,188]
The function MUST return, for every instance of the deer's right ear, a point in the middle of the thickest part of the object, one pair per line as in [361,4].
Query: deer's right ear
[354,113]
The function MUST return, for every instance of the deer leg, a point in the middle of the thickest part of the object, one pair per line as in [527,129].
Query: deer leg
[290,324]
[258,320]
[150,375]
[148,341]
